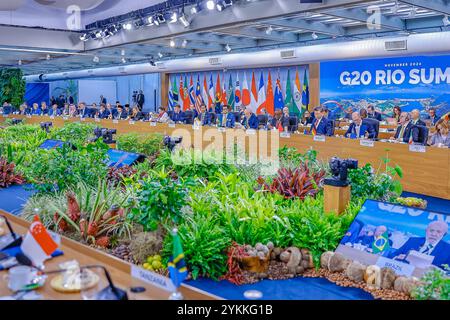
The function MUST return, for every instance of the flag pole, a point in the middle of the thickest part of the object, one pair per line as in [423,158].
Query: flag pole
[176,295]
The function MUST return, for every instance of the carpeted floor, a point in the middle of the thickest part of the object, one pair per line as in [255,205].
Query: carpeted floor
[12,199]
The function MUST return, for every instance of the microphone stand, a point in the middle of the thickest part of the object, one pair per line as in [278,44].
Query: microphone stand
[16,240]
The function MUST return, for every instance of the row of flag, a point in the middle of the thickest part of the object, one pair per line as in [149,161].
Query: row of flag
[256,96]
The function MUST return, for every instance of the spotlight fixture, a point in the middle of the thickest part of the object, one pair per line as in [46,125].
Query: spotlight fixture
[159,19]
[19,62]
[127,26]
[269,30]
[139,23]
[412,13]
[172,43]
[314,36]
[84,37]
[124,60]
[220,5]
[152,63]
[446,21]
[184,21]
[228,48]
[150,21]
[173,17]
[210,4]
[184,43]
[96,59]
[98,34]
[122,52]
[160,55]
[48,57]
[196,9]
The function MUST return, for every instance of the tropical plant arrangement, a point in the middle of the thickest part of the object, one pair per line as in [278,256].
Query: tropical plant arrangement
[8,176]
[224,212]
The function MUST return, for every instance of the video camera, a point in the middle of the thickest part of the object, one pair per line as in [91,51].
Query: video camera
[105,133]
[46,126]
[171,142]
[339,170]
[16,121]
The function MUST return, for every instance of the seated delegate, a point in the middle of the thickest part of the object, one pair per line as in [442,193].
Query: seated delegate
[162,117]
[321,125]
[103,113]
[441,138]
[358,129]
[54,111]
[415,118]
[204,118]
[372,114]
[177,116]
[406,131]
[136,114]
[120,114]
[226,118]
[250,120]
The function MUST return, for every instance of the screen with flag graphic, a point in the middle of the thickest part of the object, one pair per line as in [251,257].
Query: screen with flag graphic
[260,88]
[406,239]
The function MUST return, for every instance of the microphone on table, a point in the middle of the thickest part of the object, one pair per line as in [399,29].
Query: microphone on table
[10,240]
[109,293]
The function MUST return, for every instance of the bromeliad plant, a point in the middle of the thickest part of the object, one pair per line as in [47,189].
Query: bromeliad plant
[297,183]
[8,174]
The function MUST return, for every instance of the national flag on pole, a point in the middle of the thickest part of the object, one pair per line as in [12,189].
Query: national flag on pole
[237,94]
[261,94]
[177,265]
[212,95]
[298,94]
[381,243]
[305,92]
[218,90]
[223,100]
[173,94]
[246,100]
[269,96]
[191,92]
[198,95]
[253,94]
[289,101]
[231,97]
[38,245]
[206,98]
[278,103]
[181,92]
[186,99]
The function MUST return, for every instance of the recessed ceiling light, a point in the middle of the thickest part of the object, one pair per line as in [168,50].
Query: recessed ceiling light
[184,43]
[122,52]
[48,57]
[124,60]
[174,17]
[228,48]
[160,55]
[172,43]
[19,62]
[314,36]
[210,4]
[96,59]
[127,26]
[269,30]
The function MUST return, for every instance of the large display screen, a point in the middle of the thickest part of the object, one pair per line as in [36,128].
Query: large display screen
[408,240]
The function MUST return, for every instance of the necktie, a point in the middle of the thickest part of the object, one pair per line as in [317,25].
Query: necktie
[402,130]
[428,249]
[314,128]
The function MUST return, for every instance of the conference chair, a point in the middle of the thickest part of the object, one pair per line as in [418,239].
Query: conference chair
[374,123]
[213,117]
[293,123]
[145,116]
[237,117]
[170,113]
[333,126]
[188,117]
[262,119]
[423,134]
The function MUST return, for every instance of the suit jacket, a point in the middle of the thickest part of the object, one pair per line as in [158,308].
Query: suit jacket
[103,114]
[139,116]
[228,122]
[419,123]
[324,128]
[54,113]
[441,251]
[410,130]
[177,117]
[85,113]
[362,130]
[375,115]
[251,123]
[121,116]
[37,111]
[204,118]
[433,120]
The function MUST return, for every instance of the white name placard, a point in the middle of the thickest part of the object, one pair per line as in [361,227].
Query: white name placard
[131,122]
[152,124]
[152,278]
[417,148]
[171,125]
[115,121]
[97,120]
[221,129]
[367,143]
[285,135]
[29,116]
[6,116]
[82,119]
[65,118]
[250,132]
[195,127]
[52,117]
[319,138]
[400,268]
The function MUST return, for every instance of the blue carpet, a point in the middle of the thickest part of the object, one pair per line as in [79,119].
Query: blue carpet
[12,199]
[291,289]
[433,204]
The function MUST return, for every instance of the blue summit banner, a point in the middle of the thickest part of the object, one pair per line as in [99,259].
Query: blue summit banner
[420,82]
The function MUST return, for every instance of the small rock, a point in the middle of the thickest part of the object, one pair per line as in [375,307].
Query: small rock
[325,259]
[338,263]
[284,256]
[299,269]
[387,278]
[277,251]
[355,271]
[270,245]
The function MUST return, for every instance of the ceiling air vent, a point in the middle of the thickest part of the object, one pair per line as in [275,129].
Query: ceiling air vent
[160,65]
[396,45]
[287,54]
[215,61]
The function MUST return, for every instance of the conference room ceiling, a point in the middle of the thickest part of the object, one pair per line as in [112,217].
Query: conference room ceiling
[245,26]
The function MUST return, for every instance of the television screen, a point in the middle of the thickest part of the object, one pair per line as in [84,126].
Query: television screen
[119,158]
[408,240]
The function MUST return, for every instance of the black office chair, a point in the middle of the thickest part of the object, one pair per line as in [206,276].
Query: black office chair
[213,117]
[423,134]
[145,116]
[333,127]
[170,113]
[293,123]
[237,117]
[374,123]
[188,117]
[262,119]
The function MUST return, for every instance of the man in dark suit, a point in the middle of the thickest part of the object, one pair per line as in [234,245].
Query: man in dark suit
[102,99]
[432,244]
[432,117]
[140,100]
[358,129]
[177,115]
[54,111]
[103,113]
[250,120]
[415,118]
[204,117]
[321,125]
[226,118]
[120,114]
[83,111]
[371,113]
[406,131]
